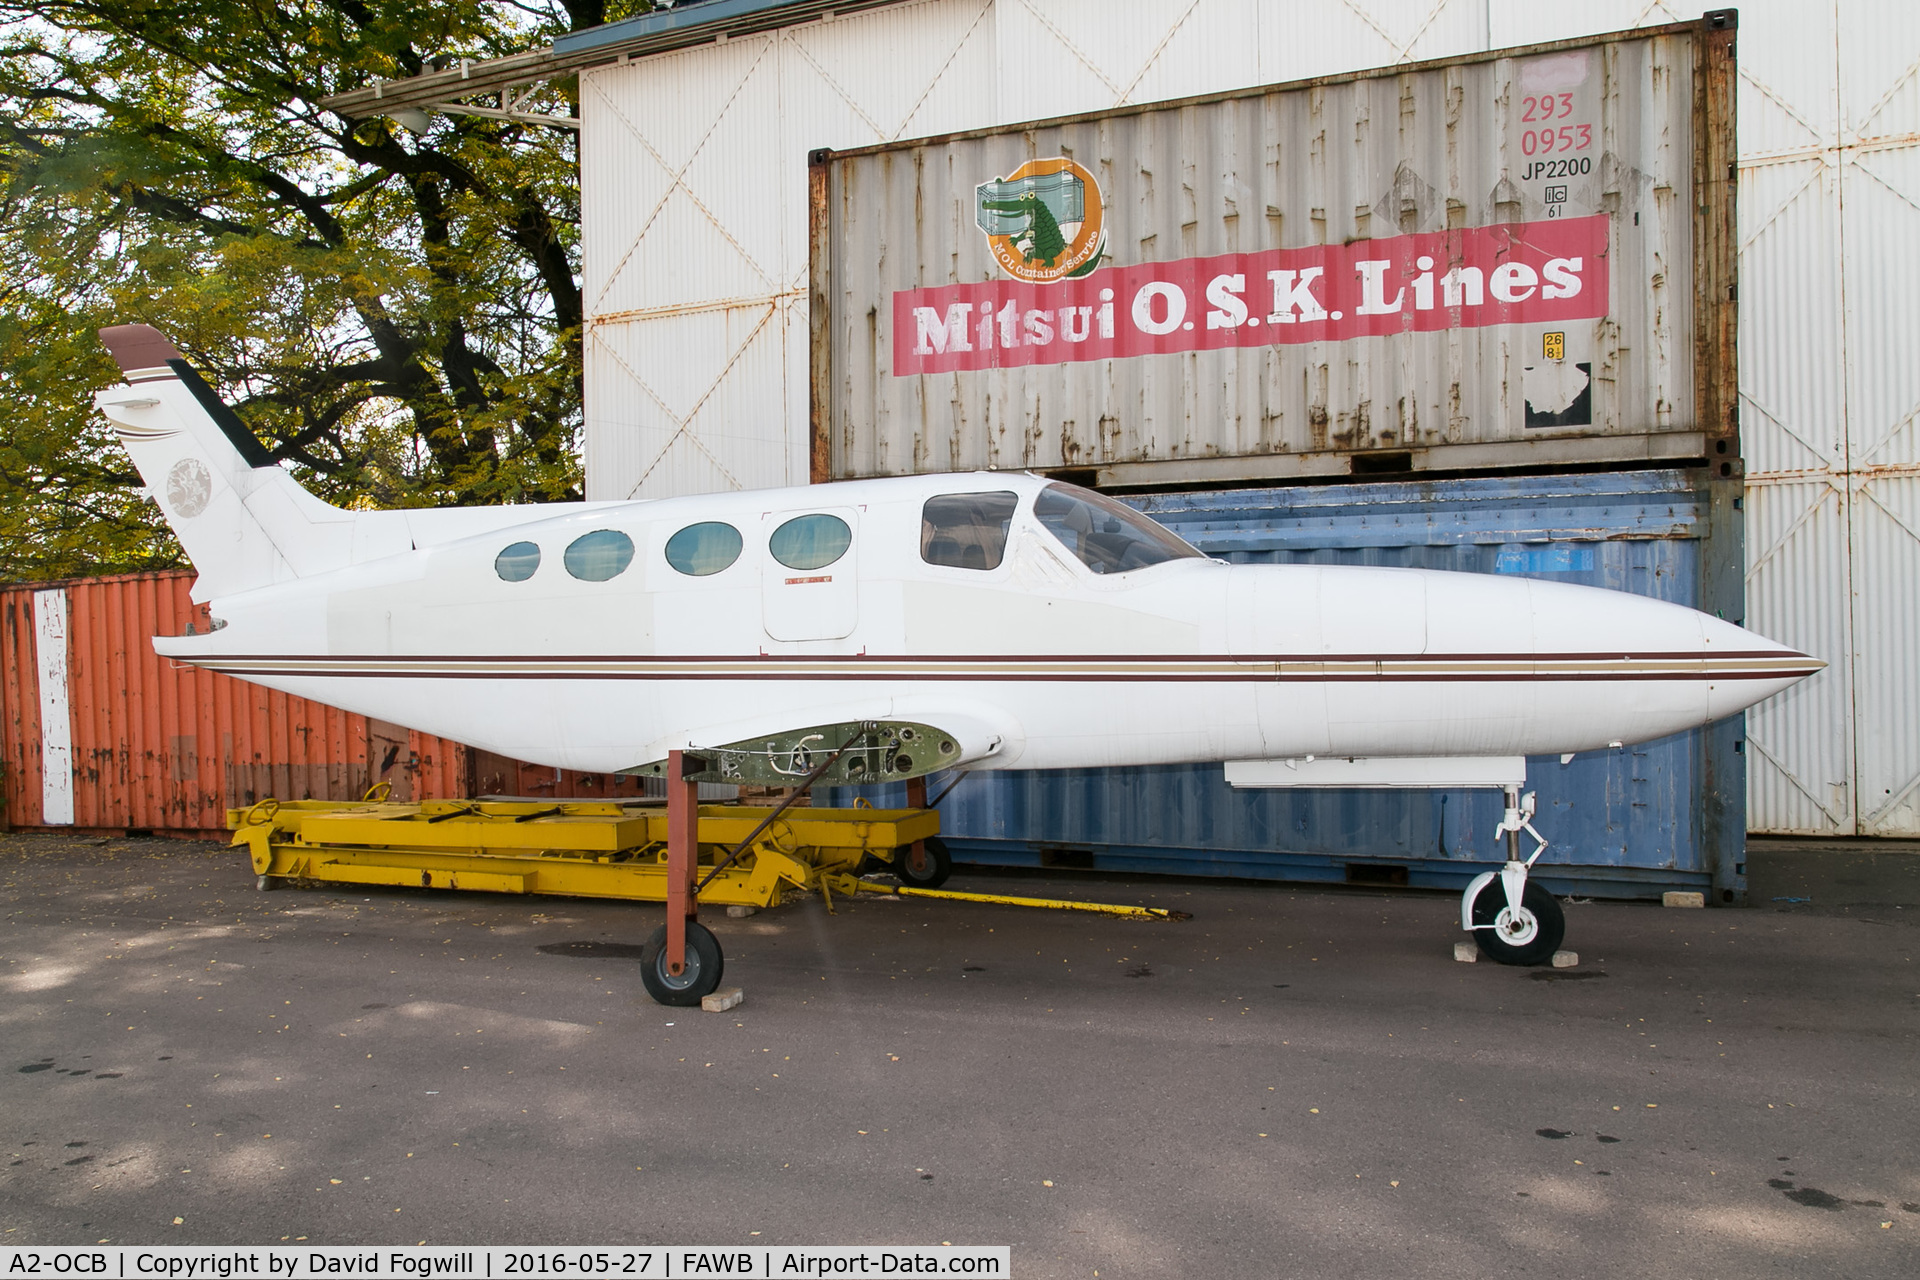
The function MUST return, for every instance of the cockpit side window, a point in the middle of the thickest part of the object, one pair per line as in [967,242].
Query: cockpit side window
[1107,536]
[967,530]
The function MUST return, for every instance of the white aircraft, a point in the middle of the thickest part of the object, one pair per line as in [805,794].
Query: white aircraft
[899,626]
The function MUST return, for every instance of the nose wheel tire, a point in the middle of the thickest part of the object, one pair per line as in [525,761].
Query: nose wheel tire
[700,977]
[1529,935]
[929,871]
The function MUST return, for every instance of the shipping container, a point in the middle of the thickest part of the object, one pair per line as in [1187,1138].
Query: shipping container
[1626,823]
[1521,258]
[101,733]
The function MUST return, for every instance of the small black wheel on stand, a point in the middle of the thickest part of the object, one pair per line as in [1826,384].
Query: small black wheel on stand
[929,871]
[1528,936]
[700,977]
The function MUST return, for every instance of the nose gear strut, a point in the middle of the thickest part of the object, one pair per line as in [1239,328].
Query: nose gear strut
[1522,924]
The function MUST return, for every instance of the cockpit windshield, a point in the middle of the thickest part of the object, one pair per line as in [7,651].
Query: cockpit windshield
[1107,536]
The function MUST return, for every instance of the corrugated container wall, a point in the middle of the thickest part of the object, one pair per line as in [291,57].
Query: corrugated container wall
[1488,262]
[100,732]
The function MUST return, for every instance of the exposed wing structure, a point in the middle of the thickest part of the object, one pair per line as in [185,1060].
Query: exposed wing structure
[891,740]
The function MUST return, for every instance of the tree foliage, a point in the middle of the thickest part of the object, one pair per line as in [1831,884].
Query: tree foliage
[398,317]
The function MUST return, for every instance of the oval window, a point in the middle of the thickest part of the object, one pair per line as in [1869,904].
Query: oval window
[597,556]
[701,549]
[517,562]
[810,542]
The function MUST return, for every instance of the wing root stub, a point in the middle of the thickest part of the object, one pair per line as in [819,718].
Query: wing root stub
[879,751]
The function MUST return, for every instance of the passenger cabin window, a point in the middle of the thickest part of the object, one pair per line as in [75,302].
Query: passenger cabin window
[597,556]
[810,542]
[1107,536]
[517,562]
[966,530]
[701,549]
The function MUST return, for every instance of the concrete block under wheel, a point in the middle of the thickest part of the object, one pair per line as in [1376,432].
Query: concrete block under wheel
[1683,899]
[722,1000]
[740,913]
[1466,952]
[1565,959]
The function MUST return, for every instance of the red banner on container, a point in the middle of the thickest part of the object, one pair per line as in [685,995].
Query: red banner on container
[1513,273]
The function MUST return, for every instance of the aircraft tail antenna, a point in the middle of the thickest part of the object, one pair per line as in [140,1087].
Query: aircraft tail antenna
[243,522]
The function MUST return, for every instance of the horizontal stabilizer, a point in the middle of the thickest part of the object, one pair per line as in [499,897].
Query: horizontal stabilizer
[1380,771]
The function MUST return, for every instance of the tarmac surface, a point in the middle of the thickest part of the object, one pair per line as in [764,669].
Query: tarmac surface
[1295,1082]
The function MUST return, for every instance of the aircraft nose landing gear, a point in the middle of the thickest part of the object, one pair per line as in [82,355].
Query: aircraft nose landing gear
[1519,923]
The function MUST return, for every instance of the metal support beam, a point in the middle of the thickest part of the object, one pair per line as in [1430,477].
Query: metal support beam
[916,854]
[683,848]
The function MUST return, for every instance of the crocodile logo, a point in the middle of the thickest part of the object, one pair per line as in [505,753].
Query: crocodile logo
[1046,221]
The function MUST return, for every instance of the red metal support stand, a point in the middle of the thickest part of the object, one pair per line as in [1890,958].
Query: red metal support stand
[683,847]
[917,799]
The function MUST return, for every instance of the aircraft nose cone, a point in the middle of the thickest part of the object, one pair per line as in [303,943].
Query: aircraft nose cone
[1744,668]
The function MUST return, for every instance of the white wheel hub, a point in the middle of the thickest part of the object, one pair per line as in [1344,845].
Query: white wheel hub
[1516,926]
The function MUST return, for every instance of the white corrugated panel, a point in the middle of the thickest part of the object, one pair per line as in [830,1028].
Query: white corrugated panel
[1515,22]
[683,266]
[892,73]
[1800,764]
[1830,390]
[1886,653]
[1880,191]
[1061,57]
[1800,770]
[1302,40]
[694,183]
[56,717]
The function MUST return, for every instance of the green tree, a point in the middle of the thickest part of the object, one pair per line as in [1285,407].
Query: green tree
[397,317]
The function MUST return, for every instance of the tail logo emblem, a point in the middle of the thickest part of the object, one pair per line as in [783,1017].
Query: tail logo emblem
[189,486]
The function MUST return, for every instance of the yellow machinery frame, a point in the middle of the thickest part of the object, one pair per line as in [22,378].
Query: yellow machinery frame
[587,849]
[597,849]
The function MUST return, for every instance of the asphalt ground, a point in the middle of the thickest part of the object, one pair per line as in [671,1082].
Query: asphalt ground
[1295,1082]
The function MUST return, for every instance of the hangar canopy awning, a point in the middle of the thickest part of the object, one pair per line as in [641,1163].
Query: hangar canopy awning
[503,88]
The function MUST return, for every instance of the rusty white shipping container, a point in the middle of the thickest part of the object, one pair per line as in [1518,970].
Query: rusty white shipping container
[98,732]
[1522,258]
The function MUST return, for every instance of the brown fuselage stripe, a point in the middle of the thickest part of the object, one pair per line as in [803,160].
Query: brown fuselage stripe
[1241,659]
[1400,668]
[1054,679]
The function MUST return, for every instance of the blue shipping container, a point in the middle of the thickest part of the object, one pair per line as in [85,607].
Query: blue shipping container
[1625,823]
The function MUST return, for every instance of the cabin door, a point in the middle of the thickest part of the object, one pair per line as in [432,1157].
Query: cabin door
[810,585]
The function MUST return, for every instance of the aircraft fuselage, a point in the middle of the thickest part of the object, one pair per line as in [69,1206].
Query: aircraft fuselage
[1038,659]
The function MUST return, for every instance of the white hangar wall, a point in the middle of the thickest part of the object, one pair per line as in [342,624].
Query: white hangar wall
[694,191]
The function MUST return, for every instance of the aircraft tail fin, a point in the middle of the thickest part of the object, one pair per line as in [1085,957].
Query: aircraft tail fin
[243,521]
